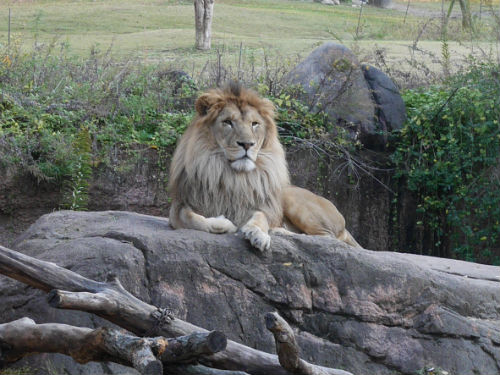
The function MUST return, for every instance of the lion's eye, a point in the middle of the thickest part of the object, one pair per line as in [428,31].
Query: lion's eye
[255,124]
[228,122]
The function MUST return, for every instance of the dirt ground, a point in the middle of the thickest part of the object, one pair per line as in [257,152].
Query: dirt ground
[12,226]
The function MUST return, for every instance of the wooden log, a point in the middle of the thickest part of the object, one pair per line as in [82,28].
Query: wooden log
[287,348]
[23,337]
[112,302]
[108,300]
[198,370]
[185,348]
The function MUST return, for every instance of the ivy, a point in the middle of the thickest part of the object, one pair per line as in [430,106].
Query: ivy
[299,124]
[295,120]
[448,155]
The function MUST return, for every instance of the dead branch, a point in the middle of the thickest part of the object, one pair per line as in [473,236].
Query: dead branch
[185,348]
[147,355]
[113,303]
[199,370]
[287,348]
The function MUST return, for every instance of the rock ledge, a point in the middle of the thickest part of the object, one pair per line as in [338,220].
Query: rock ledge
[359,310]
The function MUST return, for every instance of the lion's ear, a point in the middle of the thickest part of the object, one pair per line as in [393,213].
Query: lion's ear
[206,101]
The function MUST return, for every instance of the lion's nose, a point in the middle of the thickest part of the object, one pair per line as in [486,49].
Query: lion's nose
[245,145]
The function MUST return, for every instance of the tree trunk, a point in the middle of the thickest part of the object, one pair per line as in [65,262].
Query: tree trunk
[466,15]
[203,12]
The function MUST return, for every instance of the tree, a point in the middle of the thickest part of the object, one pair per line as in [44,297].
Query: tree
[466,14]
[203,14]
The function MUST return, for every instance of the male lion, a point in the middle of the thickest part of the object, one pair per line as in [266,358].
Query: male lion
[229,171]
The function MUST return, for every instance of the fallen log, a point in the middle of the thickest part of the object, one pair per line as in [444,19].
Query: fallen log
[147,355]
[112,302]
[287,348]
[199,370]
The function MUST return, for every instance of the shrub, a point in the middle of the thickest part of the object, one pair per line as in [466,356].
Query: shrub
[448,155]
[60,114]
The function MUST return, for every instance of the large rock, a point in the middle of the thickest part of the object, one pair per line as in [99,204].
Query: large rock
[381,3]
[328,2]
[332,81]
[391,109]
[363,311]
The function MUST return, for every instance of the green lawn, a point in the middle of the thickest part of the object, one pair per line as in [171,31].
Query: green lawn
[164,30]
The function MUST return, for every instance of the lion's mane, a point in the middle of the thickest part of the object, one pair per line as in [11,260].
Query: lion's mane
[201,177]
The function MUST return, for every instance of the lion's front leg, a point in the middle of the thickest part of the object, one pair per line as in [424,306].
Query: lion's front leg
[256,231]
[185,217]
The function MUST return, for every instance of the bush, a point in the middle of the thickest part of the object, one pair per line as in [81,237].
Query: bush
[59,114]
[448,155]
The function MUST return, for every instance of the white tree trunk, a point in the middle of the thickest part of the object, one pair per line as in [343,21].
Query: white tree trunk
[203,12]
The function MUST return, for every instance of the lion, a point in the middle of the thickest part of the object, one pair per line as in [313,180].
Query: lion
[229,172]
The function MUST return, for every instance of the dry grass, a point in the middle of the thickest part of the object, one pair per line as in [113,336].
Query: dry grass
[156,30]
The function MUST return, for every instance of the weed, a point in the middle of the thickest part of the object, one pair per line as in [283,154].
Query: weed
[76,188]
[17,371]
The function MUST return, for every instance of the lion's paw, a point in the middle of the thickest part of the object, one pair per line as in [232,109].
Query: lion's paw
[220,225]
[257,237]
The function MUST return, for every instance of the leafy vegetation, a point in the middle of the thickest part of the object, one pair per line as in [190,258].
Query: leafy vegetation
[71,113]
[78,184]
[448,155]
[60,115]
[65,106]
[17,371]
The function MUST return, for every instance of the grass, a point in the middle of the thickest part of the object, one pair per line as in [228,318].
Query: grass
[164,30]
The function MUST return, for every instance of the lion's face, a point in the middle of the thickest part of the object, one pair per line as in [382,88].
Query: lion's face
[239,124]
[240,134]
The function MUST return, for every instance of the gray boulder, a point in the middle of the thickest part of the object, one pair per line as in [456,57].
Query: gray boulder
[328,2]
[182,87]
[381,3]
[363,311]
[390,109]
[331,80]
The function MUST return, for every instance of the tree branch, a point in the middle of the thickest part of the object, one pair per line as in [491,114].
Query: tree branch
[199,370]
[288,350]
[147,355]
[113,303]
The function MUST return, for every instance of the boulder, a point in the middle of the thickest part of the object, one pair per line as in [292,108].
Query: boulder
[381,3]
[363,311]
[181,88]
[328,2]
[390,109]
[330,80]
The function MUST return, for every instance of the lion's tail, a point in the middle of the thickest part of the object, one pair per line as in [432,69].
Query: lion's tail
[348,239]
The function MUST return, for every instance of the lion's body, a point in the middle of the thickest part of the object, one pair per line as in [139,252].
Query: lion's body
[202,179]
[309,213]
[229,171]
